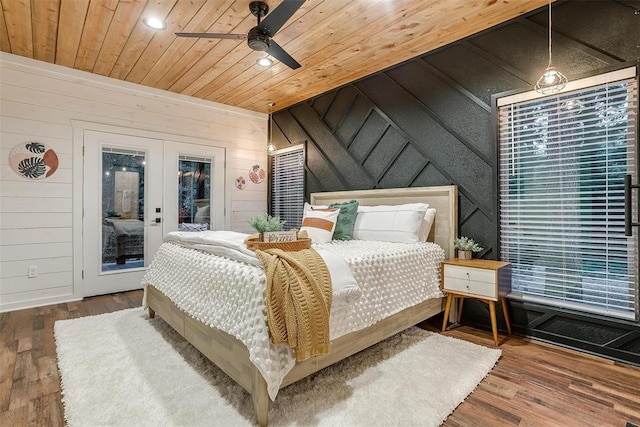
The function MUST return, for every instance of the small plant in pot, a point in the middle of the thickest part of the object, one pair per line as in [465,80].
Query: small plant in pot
[466,247]
[264,223]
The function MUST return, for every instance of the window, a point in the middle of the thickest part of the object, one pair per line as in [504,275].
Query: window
[287,185]
[563,161]
[194,188]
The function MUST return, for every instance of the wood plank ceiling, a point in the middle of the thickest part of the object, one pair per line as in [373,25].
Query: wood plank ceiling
[335,41]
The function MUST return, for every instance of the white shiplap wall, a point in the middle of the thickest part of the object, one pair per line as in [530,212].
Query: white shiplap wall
[43,102]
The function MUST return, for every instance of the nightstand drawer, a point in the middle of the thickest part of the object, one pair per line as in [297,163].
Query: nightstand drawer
[467,286]
[472,274]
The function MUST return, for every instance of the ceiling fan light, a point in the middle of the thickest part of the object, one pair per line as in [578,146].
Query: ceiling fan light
[264,62]
[155,23]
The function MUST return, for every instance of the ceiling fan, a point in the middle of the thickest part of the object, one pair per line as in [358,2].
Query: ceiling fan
[260,37]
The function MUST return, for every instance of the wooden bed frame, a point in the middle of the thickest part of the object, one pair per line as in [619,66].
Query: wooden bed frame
[230,355]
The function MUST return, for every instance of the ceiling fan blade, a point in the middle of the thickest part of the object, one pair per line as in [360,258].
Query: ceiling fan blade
[281,14]
[277,52]
[214,35]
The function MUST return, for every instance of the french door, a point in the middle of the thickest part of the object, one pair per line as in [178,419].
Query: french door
[194,177]
[136,190]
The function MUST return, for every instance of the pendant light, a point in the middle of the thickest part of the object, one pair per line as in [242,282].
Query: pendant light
[551,80]
[271,148]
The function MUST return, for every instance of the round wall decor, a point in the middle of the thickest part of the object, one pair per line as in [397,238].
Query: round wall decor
[33,160]
[257,174]
[241,183]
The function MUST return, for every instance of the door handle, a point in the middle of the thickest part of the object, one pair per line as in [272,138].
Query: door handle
[628,220]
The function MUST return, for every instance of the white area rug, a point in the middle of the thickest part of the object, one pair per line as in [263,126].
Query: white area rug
[123,369]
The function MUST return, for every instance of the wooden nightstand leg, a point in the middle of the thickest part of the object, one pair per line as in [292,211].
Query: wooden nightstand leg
[460,303]
[506,314]
[494,323]
[447,308]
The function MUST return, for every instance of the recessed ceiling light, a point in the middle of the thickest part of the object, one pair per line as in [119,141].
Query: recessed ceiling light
[153,22]
[264,62]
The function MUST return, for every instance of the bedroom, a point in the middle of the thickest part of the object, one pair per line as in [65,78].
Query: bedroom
[473,69]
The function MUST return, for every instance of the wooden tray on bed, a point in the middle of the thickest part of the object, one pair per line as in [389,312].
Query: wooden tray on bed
[303,243]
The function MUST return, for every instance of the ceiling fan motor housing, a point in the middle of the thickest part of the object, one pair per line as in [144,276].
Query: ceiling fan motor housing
[257,40]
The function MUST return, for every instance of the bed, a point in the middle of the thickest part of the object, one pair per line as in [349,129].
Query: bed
[122,239]
[233,356]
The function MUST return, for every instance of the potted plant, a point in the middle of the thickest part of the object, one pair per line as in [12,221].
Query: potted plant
[264,223]
[465,247]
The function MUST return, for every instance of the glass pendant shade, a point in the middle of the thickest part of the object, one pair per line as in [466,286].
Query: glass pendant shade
[551,81]
[271,147]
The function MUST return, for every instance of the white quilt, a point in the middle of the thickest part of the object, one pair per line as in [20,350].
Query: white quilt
[231,244]
[229,295]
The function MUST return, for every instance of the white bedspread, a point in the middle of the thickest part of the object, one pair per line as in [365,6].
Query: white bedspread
[229,295]
[231,244]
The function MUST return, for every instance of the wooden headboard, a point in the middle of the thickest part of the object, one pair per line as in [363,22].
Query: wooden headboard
[443,198]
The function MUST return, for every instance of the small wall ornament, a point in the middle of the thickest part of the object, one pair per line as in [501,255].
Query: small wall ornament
[257,174]
[33,160]
[241,182]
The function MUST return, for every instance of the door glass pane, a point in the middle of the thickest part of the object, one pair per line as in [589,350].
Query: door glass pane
[122,209]
[194,190]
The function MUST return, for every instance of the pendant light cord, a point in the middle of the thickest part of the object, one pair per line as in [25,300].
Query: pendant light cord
[271,123]
[549,34]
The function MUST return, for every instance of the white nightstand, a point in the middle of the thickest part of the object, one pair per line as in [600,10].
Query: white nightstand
[485,280]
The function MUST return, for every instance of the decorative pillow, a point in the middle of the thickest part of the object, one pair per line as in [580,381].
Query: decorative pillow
[427,223]
[346,219]
[319,224]
[308,207]
[399,223]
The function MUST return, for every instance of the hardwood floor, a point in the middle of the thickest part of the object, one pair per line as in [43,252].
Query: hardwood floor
[533,383]
[29,381]
[539,384]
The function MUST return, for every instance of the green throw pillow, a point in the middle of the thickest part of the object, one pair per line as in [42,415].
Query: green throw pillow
[346,219]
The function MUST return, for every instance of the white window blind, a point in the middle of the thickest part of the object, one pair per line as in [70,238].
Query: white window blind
[563,161]
[287,185]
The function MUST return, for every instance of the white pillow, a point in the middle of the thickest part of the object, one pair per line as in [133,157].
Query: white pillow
[399,223]
[308,207]
[427,223]
[319,224]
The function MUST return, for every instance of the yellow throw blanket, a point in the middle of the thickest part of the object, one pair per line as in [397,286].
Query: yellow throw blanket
[298,300]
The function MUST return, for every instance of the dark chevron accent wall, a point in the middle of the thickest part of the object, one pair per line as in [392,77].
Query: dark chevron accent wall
[430,121]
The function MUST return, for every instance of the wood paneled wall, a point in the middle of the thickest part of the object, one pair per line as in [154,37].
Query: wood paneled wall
[429,121]
[38,102]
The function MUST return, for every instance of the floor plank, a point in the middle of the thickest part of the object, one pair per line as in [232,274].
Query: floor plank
[533,383]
